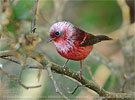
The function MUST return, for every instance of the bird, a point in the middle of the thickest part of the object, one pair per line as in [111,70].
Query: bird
[72,42]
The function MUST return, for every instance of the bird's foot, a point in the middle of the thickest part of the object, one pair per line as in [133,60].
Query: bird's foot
[80,73]
[65,67]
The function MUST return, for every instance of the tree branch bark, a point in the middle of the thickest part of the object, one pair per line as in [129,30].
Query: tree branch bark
[85,82]
[33,24]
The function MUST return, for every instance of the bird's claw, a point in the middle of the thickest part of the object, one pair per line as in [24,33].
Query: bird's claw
[65,67]
[80,74]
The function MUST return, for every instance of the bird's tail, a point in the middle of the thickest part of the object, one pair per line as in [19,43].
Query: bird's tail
[103,38]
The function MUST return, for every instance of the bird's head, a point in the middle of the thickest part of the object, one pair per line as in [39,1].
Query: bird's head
[61,31]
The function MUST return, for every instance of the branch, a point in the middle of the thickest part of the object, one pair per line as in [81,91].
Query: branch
[11,77]
[33,28]
[6,53]
[54,83]
[67,90]
[85,82]
[125,11]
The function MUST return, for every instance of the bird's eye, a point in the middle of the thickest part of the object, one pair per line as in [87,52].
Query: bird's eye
[57,34]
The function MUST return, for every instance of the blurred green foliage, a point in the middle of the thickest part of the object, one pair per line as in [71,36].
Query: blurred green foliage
[23,10]
[101,15]
[111,82]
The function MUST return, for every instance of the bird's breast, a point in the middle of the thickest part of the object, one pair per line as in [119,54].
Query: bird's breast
[64,46]
[72,51]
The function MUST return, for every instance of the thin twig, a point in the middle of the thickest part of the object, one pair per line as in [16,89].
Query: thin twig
[72,79]
[11,59]
[85,83]
[127,79]
[89,71]
[55,84]
[22,67]
[11,77]
[33,28]
[6,53]
[75,89]
[67,90]
[124,84]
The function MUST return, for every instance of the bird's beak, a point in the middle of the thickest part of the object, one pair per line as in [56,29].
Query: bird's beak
[50,40]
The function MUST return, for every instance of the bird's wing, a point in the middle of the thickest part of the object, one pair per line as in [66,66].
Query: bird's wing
[83,38]
[89,39]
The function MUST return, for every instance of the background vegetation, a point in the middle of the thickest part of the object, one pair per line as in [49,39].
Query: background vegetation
[111,64]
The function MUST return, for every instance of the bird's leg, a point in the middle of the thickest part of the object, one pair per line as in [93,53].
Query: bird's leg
[66,63]
[80,69]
